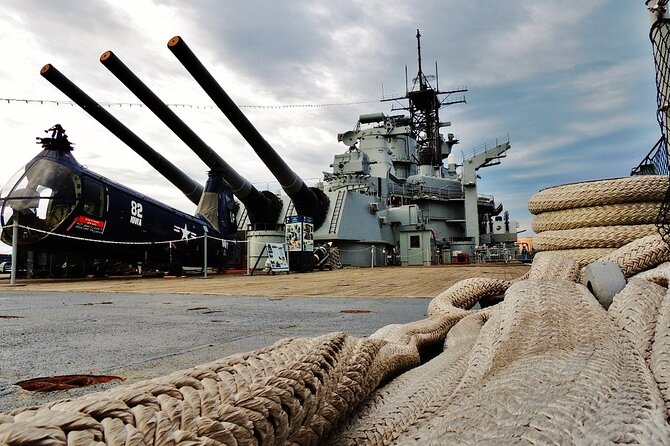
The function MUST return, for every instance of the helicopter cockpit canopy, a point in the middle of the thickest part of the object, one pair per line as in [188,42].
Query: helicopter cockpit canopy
[41,196]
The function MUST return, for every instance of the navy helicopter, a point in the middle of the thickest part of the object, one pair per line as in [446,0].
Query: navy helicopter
[62,207]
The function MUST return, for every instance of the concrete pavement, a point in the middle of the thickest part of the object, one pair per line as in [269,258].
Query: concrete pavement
[141,336]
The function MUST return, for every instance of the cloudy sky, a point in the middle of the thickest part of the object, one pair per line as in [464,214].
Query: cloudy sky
[571,82]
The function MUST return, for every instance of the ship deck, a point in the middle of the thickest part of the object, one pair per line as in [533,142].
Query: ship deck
[420,281]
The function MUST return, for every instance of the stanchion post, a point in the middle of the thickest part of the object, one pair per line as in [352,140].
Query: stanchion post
[15,249]
[204,262]
[248,256]
[372,255]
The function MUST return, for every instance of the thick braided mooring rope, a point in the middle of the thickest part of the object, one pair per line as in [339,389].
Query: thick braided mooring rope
[614,215]
[636,189]
[594,237]
[548,365]
[596,215]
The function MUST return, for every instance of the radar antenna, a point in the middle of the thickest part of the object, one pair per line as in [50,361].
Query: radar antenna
[423,83]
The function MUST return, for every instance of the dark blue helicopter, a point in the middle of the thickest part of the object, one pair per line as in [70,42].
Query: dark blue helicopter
[62,207]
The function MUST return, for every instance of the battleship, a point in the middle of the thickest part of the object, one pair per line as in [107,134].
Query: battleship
[392,200]
[395,196]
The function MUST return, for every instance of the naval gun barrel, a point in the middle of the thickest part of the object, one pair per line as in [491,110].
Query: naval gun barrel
[307,201]
[183,182]
[261,207]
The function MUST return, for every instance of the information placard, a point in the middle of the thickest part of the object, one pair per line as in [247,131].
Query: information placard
[277,257]
[300,233]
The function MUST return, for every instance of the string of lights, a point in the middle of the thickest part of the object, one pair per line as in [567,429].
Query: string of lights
[192,106]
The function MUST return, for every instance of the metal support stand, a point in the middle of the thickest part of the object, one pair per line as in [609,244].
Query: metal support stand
[258,259]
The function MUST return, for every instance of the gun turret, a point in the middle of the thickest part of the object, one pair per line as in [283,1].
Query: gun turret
[262,207]
[307,201]
[183,182]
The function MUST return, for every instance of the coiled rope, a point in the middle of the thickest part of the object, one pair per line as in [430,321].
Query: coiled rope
[636,189]
[547,365]
[602,215]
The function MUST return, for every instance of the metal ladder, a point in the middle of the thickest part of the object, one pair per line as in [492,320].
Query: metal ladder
[337,207]
[243,217]
[289,210]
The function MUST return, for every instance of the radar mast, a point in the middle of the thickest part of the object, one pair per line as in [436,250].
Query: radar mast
[423,104]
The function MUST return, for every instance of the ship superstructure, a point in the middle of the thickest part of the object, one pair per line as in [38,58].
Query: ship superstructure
[394,199]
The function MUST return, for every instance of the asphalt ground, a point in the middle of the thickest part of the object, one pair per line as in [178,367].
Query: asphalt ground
[140,336]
